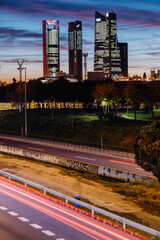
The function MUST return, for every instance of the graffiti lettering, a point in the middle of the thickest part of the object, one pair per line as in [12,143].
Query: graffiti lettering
[77,165]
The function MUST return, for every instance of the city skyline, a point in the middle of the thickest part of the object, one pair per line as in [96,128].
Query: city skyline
[21,33]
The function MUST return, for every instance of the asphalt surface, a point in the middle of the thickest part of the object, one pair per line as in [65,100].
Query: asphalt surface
[117,162]
[27,216]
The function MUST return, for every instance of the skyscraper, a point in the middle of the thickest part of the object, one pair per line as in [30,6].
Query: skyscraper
[124,58]
[51,48]
[75,49]
[107,54]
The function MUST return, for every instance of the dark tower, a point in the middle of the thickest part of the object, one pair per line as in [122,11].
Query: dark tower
[124,58]
[75,49]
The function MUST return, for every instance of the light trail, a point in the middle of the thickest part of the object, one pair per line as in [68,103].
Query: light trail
[63,219]
[132,164]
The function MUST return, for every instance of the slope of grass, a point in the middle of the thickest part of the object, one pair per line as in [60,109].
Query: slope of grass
[73,125]
[143,115]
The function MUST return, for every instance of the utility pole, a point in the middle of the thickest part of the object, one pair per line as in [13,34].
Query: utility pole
[25,105]
[20,63]
[85,55]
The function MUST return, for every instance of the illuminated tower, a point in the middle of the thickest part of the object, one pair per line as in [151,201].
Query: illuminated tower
[75,49]
[107,55]
[51,48]
[100,40]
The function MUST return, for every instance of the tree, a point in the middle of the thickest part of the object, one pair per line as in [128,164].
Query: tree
[151,95]
[113,95]
[107,94]
[133,96]
[147,148]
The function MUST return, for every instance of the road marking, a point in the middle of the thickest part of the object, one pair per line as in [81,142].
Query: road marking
[60,239]
[3,208]
[132,164]
[38,149]
[13,213]
[91,159]
[23,219]
[35,226]
[63,211]
[48,233]
[139,168]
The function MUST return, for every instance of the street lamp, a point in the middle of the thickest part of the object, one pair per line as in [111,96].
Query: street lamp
[25,93]
[20,63]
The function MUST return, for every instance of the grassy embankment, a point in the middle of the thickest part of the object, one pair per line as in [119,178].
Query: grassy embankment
[73,125]
[143,115]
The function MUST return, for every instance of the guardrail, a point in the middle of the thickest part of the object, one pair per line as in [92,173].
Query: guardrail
[93,209]
[70,142]
[81,147]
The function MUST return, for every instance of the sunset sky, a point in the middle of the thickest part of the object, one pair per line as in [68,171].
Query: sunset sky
[138,23]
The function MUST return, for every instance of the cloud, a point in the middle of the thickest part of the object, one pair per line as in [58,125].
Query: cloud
[148,18]
[132,66]
[41,7]
[87,42]
[153,54]
[63,48]
[6,33]
[26,62]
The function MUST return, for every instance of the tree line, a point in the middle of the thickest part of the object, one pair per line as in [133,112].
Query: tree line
[130,94]
[107,95]
[60,90]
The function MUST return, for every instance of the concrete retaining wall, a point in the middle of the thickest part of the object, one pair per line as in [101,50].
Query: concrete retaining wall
[100,170]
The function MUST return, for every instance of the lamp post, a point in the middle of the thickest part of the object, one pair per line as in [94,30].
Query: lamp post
[20,63]
[25,93]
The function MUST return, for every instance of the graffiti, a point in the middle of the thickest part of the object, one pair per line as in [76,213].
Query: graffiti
[41,157]
[49,158]
[77,165]
[104,171]
[11,150]
[33,155]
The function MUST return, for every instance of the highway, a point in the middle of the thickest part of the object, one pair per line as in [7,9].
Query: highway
[27,216]
[118,162]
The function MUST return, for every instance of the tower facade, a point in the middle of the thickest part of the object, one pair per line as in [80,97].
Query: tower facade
[124,58]
[107,55]
[51,48]
[75,49]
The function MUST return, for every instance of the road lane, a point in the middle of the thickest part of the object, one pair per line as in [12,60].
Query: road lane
[88,157]
[53,220]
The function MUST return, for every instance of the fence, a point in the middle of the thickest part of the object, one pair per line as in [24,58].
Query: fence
[69,142]
[88,206]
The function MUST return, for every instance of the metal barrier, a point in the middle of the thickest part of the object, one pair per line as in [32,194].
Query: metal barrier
[91,147]
[71,142]
[93,209]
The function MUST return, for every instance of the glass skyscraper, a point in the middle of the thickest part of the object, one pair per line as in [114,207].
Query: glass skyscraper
[75,49]
[107,54]
[51,49]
